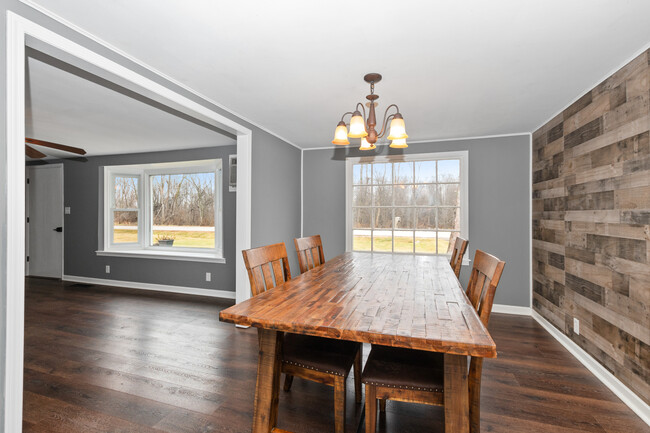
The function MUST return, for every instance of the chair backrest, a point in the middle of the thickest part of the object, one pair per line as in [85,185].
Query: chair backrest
[483,282]
[267,267]
[457,254]
[486,273]
[310,252]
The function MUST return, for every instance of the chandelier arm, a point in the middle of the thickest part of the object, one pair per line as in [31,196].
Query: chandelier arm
[345,114]
[387,119]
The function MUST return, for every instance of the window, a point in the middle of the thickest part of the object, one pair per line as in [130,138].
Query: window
[166,210]
[410,204]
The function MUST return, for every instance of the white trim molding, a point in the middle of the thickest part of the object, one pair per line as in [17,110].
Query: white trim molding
[628,397]
[222,294]
[433,140]
[511,309]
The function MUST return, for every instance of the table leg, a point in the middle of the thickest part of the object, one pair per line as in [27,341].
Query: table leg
[456,394]
[268,381]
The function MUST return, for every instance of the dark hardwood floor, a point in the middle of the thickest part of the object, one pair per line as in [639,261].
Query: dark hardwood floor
[103,359]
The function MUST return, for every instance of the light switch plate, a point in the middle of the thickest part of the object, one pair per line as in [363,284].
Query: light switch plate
[66,210]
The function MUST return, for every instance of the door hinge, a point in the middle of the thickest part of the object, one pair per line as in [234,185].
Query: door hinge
[27,219]
[27,258]
[27,181]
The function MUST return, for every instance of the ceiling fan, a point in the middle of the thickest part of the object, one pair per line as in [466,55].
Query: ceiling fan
[37,154]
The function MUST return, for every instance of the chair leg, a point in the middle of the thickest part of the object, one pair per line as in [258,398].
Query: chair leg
[371,408]
[382,405]
[339,404]
[357,375]
[288,380]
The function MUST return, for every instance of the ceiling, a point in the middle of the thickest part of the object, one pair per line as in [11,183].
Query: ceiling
[456,69]
[69,106]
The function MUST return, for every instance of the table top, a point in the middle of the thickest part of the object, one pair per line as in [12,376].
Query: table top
[387,299]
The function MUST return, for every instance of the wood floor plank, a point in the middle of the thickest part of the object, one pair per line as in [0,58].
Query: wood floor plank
[101,359]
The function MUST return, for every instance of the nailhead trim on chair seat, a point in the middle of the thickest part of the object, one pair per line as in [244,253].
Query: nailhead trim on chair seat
[413,388]
[311,367]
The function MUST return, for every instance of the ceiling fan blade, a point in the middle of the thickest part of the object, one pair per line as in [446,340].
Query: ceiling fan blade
[62,147]
[33,153]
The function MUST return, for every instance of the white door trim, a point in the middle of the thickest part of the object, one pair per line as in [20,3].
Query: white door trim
[18,28]
[58,166]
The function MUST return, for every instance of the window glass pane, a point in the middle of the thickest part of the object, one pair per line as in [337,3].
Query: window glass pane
[425,242]
[443,242]
[125,227]
[403,172]
[382,217]
[449,170]
[126,193]
[403,218]
[426,219]
[361,218]
[361,240]
[425,172]
[183,210]
[449,194]
[383,195]
[361,195]
[449,218]
[425,195]
[382,173]
[404,241]
[403,195]
[382,240]
[361,174]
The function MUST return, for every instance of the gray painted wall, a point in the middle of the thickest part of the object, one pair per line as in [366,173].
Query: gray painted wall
[264,207]
[276,197]
[83,182]
[499,203]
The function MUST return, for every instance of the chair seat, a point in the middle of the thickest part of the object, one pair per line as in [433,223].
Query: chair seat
[320,354]
[404,369]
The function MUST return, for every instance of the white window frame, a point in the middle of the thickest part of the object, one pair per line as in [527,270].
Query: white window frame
[144,247]
[462,155]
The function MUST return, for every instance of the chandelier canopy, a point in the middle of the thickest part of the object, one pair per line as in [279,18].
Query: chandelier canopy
[365,129]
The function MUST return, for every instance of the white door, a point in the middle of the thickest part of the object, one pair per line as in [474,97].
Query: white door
[45,220]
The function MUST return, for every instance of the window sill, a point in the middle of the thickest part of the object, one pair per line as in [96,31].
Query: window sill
[163,255]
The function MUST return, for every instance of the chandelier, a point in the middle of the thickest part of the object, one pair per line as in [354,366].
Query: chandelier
[365,129]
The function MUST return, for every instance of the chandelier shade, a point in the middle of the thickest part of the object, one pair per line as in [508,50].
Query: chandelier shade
[399,143]
[367,146]
[357,126]
[365,128]
[397,128]
[341,134]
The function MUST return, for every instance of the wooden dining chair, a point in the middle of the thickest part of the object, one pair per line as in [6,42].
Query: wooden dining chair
[418,376]
[457,254]
[318,359]
[310,252]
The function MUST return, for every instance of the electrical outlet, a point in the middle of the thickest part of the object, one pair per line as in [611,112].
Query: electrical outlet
[108,269]
[576,326]
[208,276]
[66,210]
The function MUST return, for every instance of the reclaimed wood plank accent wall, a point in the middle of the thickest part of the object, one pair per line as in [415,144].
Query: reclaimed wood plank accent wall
[591,223]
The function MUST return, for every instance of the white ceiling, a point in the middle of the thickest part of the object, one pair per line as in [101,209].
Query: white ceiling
[456,69]
[68,106]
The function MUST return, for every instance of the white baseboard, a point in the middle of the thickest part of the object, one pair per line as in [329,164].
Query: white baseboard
[155,287]
[511,309]
[628,397]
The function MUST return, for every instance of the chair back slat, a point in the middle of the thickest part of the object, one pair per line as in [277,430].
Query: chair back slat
[310,252]
[267,267]
[457,254]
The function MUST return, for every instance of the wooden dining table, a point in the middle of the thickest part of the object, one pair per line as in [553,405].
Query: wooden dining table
[387,299]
